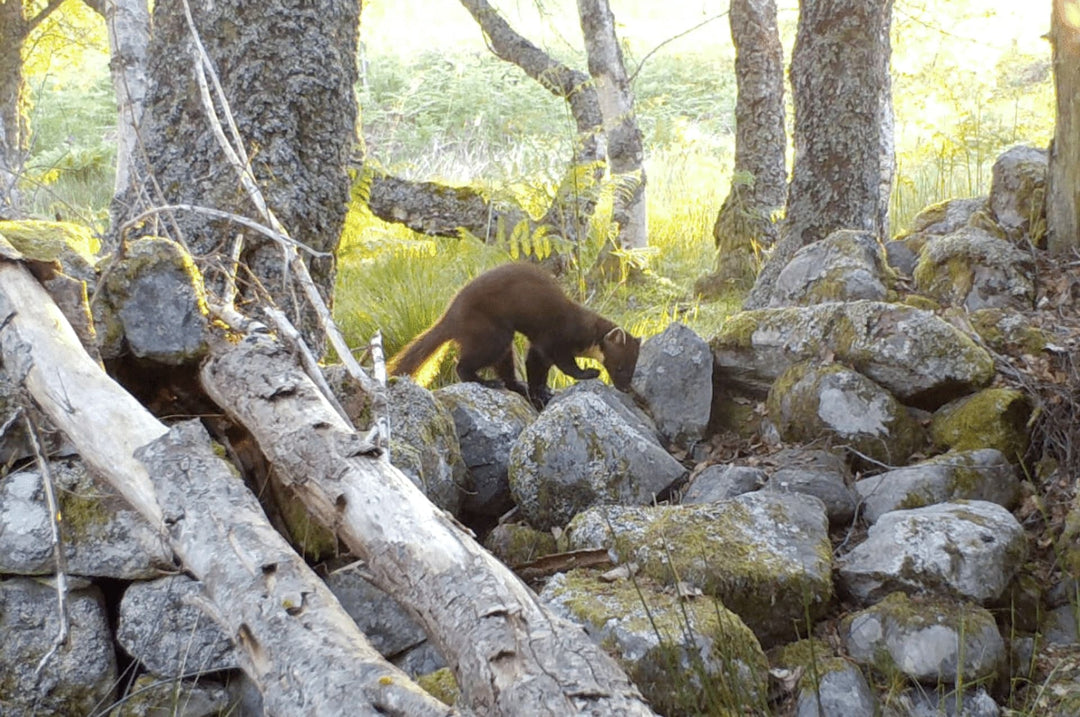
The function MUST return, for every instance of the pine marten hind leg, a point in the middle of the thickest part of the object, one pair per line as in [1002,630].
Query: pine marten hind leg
[537,366]
[504,369]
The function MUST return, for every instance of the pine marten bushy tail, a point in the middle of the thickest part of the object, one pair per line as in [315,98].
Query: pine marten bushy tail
[417,352]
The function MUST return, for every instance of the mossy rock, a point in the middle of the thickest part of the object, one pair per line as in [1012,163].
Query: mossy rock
[73,245]
[992,418]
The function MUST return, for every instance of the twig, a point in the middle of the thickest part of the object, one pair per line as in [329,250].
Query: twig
[671,39]
[57,545]
[382,414]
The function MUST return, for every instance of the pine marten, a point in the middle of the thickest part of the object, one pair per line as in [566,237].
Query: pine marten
[484,315]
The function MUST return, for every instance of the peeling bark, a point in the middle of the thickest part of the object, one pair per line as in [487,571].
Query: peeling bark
[286,624]
[840,80]
[1063,185]
[510,655]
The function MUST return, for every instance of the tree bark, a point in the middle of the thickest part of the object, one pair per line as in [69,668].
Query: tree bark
[288,71]
[840,80]
[438,209]
[15,27]
[576,198]
[510,655]
[128,25]
[1063,185]
[759,180]
[624,143]
[284,621]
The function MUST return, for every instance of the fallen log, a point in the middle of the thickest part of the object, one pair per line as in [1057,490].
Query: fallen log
[509,653]
[294,639]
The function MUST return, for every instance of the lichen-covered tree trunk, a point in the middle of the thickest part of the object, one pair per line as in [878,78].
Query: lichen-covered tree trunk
[759,179]
[1063,190]
[840,81]
[288,70]
[624,144]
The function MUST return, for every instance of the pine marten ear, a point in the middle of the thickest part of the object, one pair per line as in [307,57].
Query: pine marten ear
[616,336]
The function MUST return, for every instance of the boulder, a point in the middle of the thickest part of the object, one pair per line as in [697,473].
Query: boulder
[1018,193]
[992,418]
[162,626]
[103,535]
[973,269]
[389,628]
[932,641]
[766,556]
[424,424]
[580,453]
[80,676]
[674,378]
[821,474]
[967,549]
[918,357]
[814,401]
[969,475]
[720,482]
[686,655]
[847,265]
[487,421]
[516,543]
[150,696]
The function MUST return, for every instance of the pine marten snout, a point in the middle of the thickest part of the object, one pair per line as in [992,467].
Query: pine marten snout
[484,315]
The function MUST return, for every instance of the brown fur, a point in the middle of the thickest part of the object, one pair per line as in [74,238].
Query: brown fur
[484,315]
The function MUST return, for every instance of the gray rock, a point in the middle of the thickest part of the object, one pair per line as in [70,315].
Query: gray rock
[422,659]
[435,464]
[970,549]
[766,556]
[150,696]
[1060,626]
[826,484]
[79,677]
[901,257]
[684,655]
[156,294]
[843,691]
[812,401]
[969,475]
[674,377]
[847,265]
[14,443]
[488,421]
[580,453]
[720,482]
[1018,190]
[389,628]
[921,702]
[621,403]
[973,269]
[917,356]
[947,216]
[931,641]
[103,536]
[162,626]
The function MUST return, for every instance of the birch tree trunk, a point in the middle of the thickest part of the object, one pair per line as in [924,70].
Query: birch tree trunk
[744,224]
[624,146]
[128,25]
[288,71]
[292,637]
[510,655]
[1063,190]
[840,80]
[575,200]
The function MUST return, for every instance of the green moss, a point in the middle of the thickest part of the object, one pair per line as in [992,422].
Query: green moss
[992,418]
[83,515]
[51,241]
[441,685]
[738,330]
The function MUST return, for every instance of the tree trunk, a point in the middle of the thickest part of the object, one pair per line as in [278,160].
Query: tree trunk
[510,655]
[13,127]
[128,26]
[576,198]
[1063,190]
[292,637]
[288,71]
[624,145]
[759,180]
[840,80]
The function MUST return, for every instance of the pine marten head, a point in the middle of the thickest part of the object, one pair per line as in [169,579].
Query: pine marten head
[620,351]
